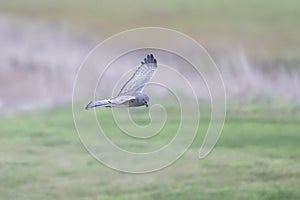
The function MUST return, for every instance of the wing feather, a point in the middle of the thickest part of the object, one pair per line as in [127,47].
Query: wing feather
[121,99]
[140,78]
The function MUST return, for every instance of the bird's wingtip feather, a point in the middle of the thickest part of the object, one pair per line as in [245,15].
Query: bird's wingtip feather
[149,59]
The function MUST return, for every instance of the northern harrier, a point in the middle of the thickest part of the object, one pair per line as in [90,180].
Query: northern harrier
[131,93]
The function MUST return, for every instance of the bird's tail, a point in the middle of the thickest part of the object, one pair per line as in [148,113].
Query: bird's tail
[98,104]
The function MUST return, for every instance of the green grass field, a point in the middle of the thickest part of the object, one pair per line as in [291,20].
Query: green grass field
[257,157]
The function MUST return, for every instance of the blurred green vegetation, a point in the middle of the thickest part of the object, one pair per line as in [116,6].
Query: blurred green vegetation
[236,15]
[265,28]
[257,157]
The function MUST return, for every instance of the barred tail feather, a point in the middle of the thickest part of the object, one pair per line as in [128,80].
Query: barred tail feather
[98,104]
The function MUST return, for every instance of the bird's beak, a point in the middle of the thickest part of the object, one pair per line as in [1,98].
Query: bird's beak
[146,104]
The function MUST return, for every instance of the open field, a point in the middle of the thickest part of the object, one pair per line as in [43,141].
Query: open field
[256,46]
[257,157]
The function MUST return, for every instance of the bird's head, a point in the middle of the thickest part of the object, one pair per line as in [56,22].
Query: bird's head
[143,99]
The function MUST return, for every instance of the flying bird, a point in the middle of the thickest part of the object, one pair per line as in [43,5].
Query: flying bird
[131,93]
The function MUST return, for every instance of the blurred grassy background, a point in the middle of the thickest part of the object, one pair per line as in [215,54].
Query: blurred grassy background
[269,28]
[257,156]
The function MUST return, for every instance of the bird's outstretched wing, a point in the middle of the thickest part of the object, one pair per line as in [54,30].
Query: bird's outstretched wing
[116,102]
[140,78]
[121,99]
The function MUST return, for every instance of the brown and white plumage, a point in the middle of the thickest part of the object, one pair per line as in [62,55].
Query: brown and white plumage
[131,93]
